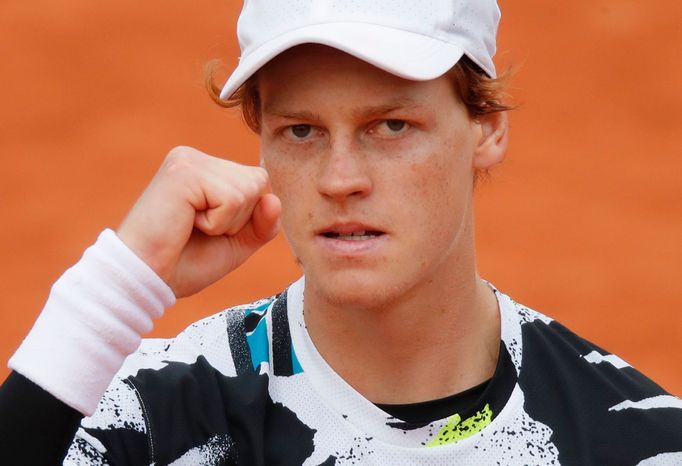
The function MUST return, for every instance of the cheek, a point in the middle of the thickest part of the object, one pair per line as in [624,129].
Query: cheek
[433,193]
[441,172]
[283,174]
[289,182]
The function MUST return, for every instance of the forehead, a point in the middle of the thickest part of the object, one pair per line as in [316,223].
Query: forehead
[317,73]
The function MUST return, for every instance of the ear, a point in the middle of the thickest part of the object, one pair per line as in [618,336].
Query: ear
[492,146]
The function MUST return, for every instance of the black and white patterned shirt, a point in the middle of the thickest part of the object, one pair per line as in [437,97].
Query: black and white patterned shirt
[247,386]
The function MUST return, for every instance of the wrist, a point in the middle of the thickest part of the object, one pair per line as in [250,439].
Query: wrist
[94,318]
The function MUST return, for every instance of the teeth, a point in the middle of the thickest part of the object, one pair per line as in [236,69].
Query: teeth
[357,236]
[354,236]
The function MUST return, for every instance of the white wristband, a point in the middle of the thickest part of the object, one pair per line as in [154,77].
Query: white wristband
[93,319]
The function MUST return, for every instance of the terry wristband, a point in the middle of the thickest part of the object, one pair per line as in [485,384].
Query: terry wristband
[94,318]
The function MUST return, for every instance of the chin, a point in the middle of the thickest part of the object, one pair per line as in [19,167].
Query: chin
[355,289]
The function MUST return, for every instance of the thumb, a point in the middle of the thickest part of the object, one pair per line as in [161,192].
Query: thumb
[265,218]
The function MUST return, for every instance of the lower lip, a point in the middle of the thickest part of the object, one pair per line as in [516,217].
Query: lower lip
[349,247]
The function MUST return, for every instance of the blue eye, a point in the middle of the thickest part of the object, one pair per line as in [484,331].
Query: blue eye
[301,131]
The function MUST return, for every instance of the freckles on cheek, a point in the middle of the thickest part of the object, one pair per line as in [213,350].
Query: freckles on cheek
[428,176]
[292,187]
[433,189]
[280,174]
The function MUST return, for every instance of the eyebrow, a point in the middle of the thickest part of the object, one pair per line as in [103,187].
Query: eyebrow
[368,110]
[292,115]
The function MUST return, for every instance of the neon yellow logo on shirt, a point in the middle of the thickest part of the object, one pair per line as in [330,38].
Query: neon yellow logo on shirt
[455,429]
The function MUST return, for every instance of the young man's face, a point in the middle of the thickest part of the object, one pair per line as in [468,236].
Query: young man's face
[353,150]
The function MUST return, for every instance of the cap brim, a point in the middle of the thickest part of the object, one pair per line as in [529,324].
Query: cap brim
[402,53]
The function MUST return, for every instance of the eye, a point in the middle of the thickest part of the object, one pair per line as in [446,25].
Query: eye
[390,128]
[300,131]
[396,125]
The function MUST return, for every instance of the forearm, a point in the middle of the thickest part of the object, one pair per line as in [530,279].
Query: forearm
[93,319]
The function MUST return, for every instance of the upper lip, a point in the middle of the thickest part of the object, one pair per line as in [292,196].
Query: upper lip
[346,228]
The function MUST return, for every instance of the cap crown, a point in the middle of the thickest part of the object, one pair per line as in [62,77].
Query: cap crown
[413,39]
[471,24]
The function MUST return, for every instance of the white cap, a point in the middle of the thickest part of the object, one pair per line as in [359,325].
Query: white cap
[413,39]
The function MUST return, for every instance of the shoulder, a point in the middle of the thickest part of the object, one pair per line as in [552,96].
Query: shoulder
[210,339]
[591,399]
[565,355]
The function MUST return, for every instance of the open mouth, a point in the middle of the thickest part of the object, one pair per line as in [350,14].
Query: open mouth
[354,236]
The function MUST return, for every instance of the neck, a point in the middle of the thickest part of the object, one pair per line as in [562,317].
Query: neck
[397,353]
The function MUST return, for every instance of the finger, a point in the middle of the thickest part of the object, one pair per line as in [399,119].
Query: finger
[225,213]
[266,216]
[264,225]
[230,200]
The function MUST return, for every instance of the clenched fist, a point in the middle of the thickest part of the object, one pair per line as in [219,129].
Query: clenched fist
[200,218]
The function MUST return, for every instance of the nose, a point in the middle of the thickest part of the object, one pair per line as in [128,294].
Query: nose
[344,172]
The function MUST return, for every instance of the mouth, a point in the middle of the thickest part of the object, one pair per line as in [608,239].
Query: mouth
[359,235]
[342,241]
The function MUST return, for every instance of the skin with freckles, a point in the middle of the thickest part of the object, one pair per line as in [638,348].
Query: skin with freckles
[351,149]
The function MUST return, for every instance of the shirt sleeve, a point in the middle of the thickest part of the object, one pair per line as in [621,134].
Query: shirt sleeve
[36,428]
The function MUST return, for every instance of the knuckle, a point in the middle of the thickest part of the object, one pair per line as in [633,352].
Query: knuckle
[176,166]
[181,158]
[180,153]
[183,164]
[256,189]
[263,173]
[238,199]
[258,179]
[232,204]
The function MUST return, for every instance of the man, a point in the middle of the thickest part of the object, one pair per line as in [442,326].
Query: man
[375,119]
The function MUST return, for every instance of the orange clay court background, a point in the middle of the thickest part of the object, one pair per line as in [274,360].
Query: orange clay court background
[583,220]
